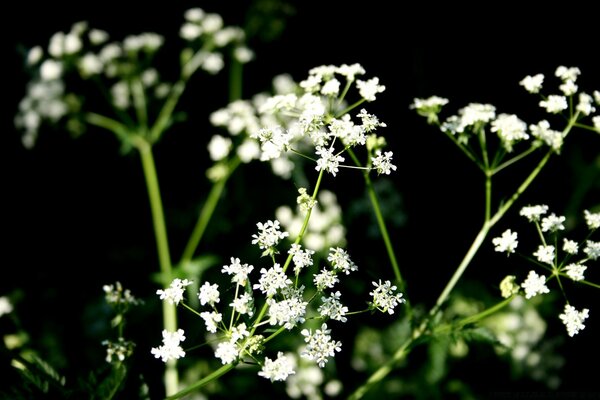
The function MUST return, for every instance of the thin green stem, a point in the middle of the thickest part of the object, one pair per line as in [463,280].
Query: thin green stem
[488,196]
[465,150]
[190,308]
[513,160]
[589,128]
[208,378]
[164,117]
[139,102]
[235,79]
[484,152]
[120,130]
[206,214]
[162,244]
[485,313]
[350,108]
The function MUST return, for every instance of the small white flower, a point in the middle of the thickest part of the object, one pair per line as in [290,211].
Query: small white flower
[369,121]
[325,279]
[350,71]
[570,246]
[592,249]
[533,213]
[553,223]
[429,107]
[194,14]
[213,63]
[97,36]
[170,348]
[301,258]
[327,160]
[219,147]
[272,279]
[50,70]
[238,332]
[592,219]
[384,297]
[174,293]
[534,284]
[333,308]
[585,106]
[569,88]
[239,271]
[596,121]
[554,104]
[550,137]
[368,89]
[269,234]
[532,84]
[243,304]
[34,55]
[597,96]
[6,306]
[227,352]
[212,22]
[190,31]
[475,113]
[573,319]
[383,162]
[90,64]
[340,260]
[331,88]
[508,286]
[510,130]
[278,369]
[567,74]
[545,254]
[243,54]
[211,320]
[209,294]
[506,243]
[575,271]
[288,312]
[319,345]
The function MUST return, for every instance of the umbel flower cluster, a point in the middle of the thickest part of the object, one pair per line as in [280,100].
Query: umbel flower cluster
[311,121]
[124,70]
[558,258]
[284,305]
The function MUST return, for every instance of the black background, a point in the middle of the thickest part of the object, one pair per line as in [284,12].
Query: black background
[76,214]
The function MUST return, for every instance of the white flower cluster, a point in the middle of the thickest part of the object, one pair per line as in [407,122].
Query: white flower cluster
[124,68]
[472,120]
[285,305]
[118,296]
[548,256]
[118,351]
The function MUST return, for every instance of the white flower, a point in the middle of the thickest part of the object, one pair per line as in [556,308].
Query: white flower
[50,70]
[510,130]
[508,286]
[550,137]
[567,74]
[90,64]
[213,63]
[325,279]
[350,71]
[209,294]
[368,89]
[174,293]
[278,369]
[534,284]
[219,147]
[212,22]
[596,121]
[190,31]
[333,308]
[545,254]
[592,219]
[331,88]
[383,162]
[269,234]
[349,133]
[170,348]
[384,297]
[118,351]
[301,258]
[319,345]
[597,96]
[369,121]
[97,36]
[227,352]
[120,95]
[573,319]
[311,84]
[243,54]
[288,312]
[194,14]
[116,294]
[243,304]
[533,213]
[272,279]
[249,150]
[211,320]
[585,106]
[429,107]
[532,84]
[340,260]
[274,141]
[327,160]
[34,55]
[553,223]
[475,113]
[6,306]
[239,271]
[570,246]
[569,88]
[238,332]
[72,43]
[592,249]
[506,243]
[575,271]
[554,104]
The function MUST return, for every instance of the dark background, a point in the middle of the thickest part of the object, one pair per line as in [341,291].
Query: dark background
[76,211]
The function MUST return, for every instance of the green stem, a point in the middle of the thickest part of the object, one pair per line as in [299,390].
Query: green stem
[139,102]
[485,313]
[350,108]
[513,160]
[120,130]
[235,80]
[164,117]
[162,244]
[206,214]
[465,150]
[208,378]
[488,196]
[383,371]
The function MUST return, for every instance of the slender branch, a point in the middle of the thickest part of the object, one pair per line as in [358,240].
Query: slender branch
[350,108]
[139,102]
[513,160]
[120,130]
[164,117]
[208,378]
[162,244]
